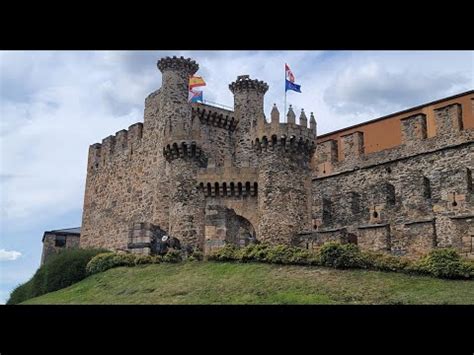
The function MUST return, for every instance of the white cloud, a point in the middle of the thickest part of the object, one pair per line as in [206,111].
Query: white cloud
[53,105]
[11,255]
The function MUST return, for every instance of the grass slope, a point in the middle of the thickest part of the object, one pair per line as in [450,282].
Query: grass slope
[232,283]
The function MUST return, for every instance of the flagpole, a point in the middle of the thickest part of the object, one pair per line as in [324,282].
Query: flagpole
[284,109]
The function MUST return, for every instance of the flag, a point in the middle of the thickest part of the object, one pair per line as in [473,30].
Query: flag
[289,74]
[290,86]
[196,81]
[290,80]
[195,96]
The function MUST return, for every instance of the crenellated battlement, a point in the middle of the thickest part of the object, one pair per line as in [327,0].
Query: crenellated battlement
[214,116]
[228,181]
[178,64]
[123,142]
[244,83]
[184,149]
[290,137]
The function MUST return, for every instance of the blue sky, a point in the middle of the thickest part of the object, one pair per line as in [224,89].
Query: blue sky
[53,105]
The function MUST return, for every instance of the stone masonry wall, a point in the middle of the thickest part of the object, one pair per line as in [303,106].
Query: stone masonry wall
[210,176]
[404,200]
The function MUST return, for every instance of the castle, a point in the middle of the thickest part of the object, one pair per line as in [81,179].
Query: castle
[401,184]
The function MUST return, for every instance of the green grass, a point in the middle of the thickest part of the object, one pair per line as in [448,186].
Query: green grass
[233,283]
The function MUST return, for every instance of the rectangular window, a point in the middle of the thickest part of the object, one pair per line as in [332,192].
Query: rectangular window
[426,187]
[60,241]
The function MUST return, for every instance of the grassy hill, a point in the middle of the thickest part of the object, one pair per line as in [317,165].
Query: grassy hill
[233,283]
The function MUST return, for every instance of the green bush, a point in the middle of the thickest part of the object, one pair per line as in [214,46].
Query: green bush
[445,263]
[173,256]
[60,271]
[147,259]
[384,262]
[109,260]
[341,256]
[196,255]
[21,293]
[283,254]
[227,253]
[252,252]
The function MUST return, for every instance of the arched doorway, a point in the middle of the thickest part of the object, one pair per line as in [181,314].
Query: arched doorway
[224,226]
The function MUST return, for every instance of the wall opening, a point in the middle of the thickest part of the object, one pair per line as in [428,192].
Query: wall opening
[60,241]
[327,211]
[426,187]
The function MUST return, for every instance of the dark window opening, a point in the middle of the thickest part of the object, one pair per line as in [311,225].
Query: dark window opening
[232,189]
[469,180]
[352,238]
[327,211]
[375,214]
[239,188]
[255,188]
[216,187]
[224,186]
[390,194]
[247,188]
[208,189]
[426,187]
[388,169]
[60,241]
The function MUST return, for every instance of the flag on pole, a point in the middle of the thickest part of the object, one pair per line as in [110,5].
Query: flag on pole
[195,96]
[290,80]
[196,81]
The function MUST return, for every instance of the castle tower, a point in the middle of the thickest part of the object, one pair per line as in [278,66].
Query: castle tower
[248,108]
[284,181]
[182,150]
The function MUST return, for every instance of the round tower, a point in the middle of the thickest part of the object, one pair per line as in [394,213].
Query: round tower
[182,150]
[248,110]
[284,176]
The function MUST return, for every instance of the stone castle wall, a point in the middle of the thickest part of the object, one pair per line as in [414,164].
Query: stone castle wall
[211,176]
[405,200]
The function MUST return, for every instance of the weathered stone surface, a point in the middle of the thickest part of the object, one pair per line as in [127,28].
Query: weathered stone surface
[210,176]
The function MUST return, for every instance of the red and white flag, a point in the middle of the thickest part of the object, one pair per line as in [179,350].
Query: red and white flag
[289,74]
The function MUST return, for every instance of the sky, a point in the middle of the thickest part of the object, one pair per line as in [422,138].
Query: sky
[54,104]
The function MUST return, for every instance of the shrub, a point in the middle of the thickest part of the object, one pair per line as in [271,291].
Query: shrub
[384,262]
[226,253]
[196,255]
[60,271]
[109,260]
[341,256]
[283,254]
[252,252]
[445,263]
[146,259]
[20,293]
[173,256]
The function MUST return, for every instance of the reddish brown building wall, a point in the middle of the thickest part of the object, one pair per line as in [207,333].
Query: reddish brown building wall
[385,132]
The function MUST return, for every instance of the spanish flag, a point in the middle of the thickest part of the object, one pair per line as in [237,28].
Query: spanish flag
[196,81]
